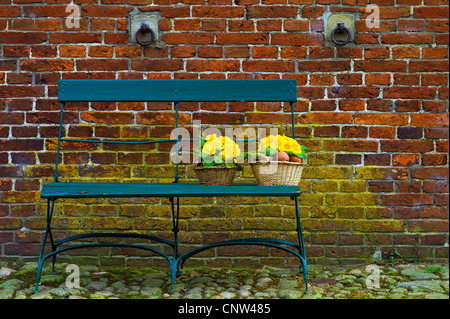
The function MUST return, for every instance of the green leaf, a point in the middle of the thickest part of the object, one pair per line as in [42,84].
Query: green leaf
[269,151]
[206,164]
[198,152]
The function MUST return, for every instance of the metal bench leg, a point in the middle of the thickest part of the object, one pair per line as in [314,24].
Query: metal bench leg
[301,245]
[174,270]
[48,233]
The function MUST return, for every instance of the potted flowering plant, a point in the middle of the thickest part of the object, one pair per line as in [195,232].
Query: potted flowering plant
[280,161]
[217,160]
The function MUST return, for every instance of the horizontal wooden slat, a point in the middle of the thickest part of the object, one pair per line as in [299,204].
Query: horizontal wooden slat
[188,90]
[104,190]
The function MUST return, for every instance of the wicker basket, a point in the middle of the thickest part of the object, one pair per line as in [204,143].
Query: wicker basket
[278,173]
[216,175]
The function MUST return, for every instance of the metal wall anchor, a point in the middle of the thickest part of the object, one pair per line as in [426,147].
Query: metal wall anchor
[144,29]
[340,29]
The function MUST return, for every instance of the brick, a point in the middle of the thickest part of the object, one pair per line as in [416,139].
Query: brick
[326,131]
[381,187]
[214,24]
[72,51]
[348,159]
[326,118]
[435,186]
[162,118]
[6,91]
[297,39]
[101,64]
[436,133]
[376,53]
[428,226]
[323,105]
[381,132]
[350,145]
[437,26]
[353,92]
[377,159]
[405,52]
[88,10]
[45,65]
[409,132]
[321,53]
[181,52]
[190,38]
[433,79]
[380,66]
[51,24]
[219,118]
[428,66]
[407,93]
[351,105]
[434,159]
[406,199]
[430,172]
[265,52]
[406,79]
[378,79]
[423,119]
[296,25]
[268,66]
[256,12]
[261,118]
[242,38]
[411,25]
[217,66]
[354,131]
[100,51]
[428,12]
[187,24]
[324,66]
[407,146]
[23,37]
[389,12]
[108,117]
[75,37]
[218,11]
[405,159]
[313,11]
[293,52]
[407,105]
[407,38]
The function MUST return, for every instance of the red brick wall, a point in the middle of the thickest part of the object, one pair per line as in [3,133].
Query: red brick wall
[374,115]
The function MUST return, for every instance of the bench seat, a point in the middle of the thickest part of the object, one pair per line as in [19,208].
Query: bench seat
[102,190]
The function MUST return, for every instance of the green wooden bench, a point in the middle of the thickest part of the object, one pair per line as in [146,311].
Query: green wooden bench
[174,91]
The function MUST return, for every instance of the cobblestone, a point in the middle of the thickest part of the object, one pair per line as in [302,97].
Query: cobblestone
[403,281]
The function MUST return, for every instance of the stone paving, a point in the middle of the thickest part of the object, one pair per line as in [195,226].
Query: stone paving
[402,281]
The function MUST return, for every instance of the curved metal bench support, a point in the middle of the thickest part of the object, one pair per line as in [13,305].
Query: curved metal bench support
[177,261]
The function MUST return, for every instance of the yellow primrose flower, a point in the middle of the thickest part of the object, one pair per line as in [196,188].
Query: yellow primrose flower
[224,145]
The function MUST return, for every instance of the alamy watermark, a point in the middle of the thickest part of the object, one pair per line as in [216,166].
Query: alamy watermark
[73,19]
[373,19]
[373,277]
[73,279]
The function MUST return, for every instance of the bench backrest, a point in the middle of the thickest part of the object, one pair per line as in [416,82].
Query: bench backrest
[177,90]
[207,90]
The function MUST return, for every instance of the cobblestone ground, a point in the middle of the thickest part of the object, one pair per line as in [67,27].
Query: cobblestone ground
[402,281]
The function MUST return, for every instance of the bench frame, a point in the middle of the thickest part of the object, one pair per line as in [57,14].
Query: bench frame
[174,91]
